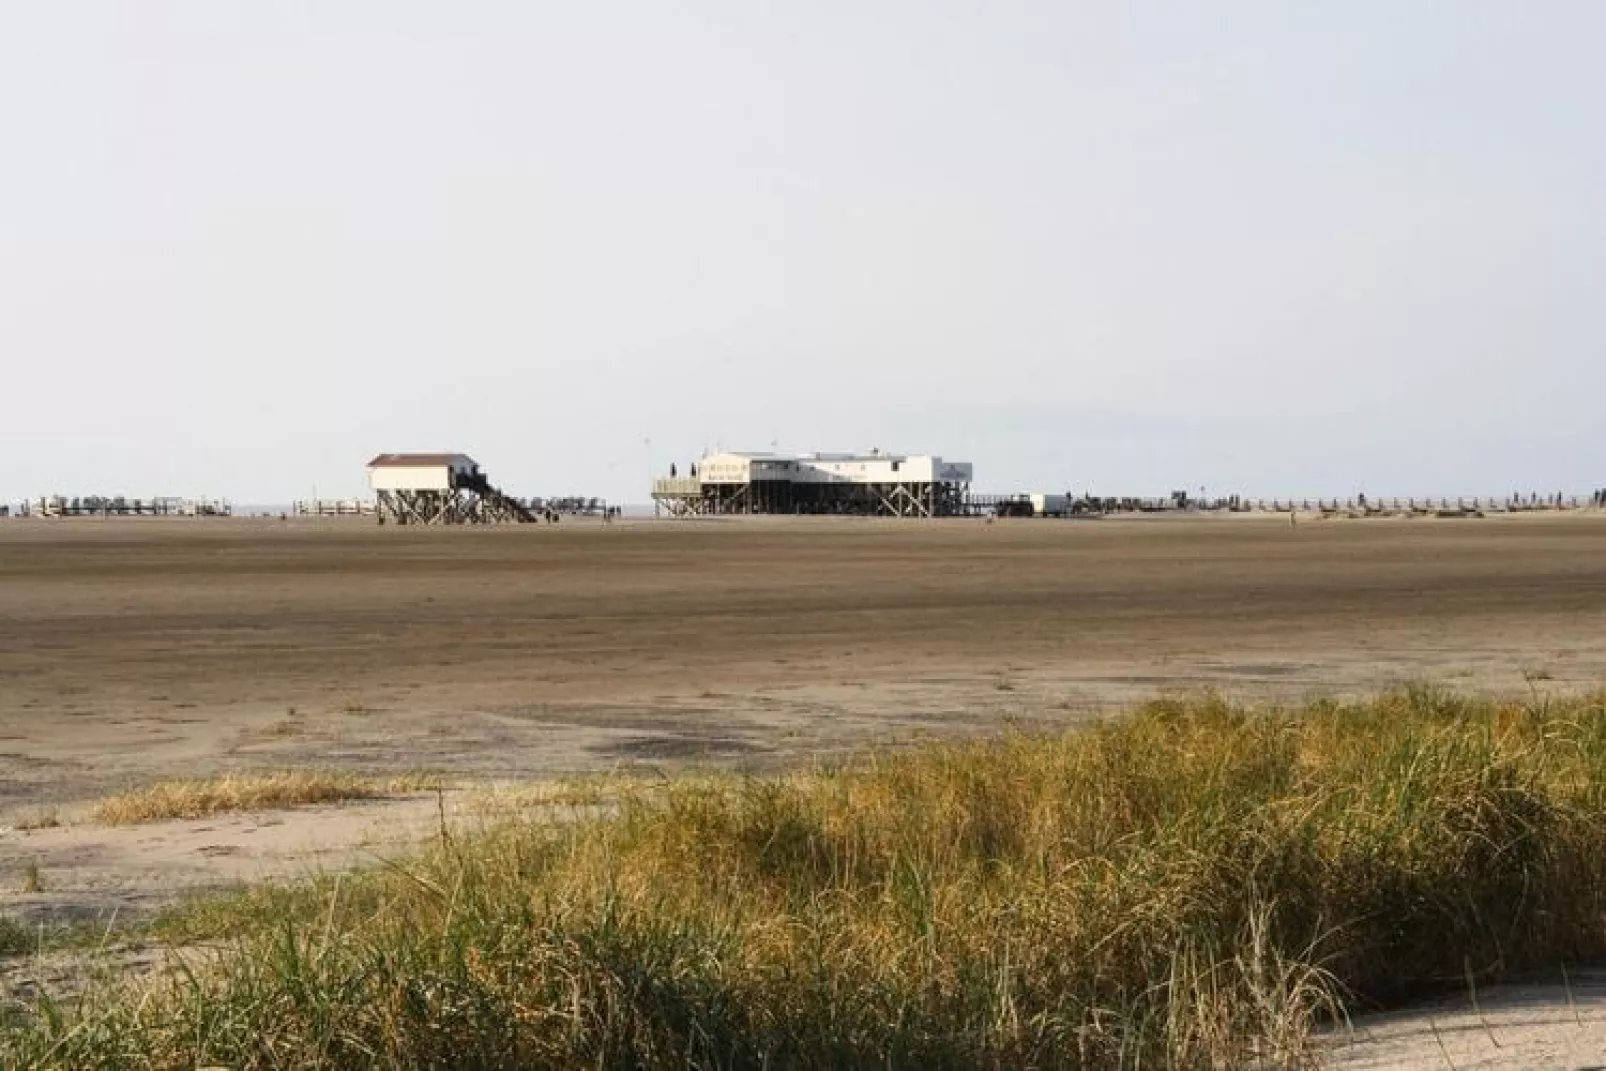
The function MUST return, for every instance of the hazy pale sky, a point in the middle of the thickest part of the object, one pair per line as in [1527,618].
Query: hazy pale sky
[1268,247]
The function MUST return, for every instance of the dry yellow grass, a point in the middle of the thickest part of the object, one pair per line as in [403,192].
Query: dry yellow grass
[1196,885]
[594,794]
[238,792]
[43,818]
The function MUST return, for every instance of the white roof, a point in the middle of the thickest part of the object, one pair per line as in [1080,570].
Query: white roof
[766,455]
[411,461]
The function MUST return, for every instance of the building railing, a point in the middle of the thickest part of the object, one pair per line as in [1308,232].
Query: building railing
[336,507]
[677,486]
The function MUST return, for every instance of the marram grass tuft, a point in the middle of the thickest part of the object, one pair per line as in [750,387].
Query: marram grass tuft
[1191,885]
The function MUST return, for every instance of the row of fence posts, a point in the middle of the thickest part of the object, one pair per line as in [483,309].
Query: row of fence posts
[1360,503]
[1514,503]
[118,506]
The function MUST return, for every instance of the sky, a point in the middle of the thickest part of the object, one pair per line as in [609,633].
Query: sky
[1258,247]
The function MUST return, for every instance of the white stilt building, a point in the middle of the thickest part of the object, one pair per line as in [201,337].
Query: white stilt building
[873,484]
[438,489]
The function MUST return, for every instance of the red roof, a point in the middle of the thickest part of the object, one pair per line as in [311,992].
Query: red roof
[409,461]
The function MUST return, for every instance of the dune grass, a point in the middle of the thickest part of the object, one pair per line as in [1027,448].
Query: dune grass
[243,791]
[1192,885]
[14,937]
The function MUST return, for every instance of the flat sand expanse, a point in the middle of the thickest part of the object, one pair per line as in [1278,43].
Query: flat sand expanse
[132,650]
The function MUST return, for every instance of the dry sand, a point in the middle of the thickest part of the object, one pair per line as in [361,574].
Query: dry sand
[1552,1024]
[137,649]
